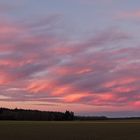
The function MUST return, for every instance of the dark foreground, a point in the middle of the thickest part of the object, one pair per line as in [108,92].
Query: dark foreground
[99,130]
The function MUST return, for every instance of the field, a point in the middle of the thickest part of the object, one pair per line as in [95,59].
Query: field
[96,130]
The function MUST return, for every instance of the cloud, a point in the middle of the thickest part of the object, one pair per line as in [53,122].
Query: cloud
[129,15]
[40,66]
[95,1]
[5,8]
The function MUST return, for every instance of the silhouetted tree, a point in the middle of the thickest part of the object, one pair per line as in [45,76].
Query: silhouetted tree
[69,115]
[20,114]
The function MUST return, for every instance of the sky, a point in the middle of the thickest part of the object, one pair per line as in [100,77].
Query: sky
[78,55]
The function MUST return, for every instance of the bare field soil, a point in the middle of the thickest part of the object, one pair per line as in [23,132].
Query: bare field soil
[75,130]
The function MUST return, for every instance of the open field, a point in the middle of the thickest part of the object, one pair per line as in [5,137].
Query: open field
[99,130]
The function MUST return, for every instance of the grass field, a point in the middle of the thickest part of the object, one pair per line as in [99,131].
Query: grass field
[100,130]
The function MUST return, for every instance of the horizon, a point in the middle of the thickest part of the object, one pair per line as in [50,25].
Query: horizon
[109,115]
[78,55]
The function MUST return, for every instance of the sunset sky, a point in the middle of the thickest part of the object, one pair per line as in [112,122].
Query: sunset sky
[78,55]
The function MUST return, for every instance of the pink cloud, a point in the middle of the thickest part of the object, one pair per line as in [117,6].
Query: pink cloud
[41,67]
[129,15]
[120,82]
[5,78]
[40,86]
[75,97]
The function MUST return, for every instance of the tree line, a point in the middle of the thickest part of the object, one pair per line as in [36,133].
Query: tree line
[36,115]
[22,114]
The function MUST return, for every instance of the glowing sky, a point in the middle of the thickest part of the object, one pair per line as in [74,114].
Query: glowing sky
[79,55]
